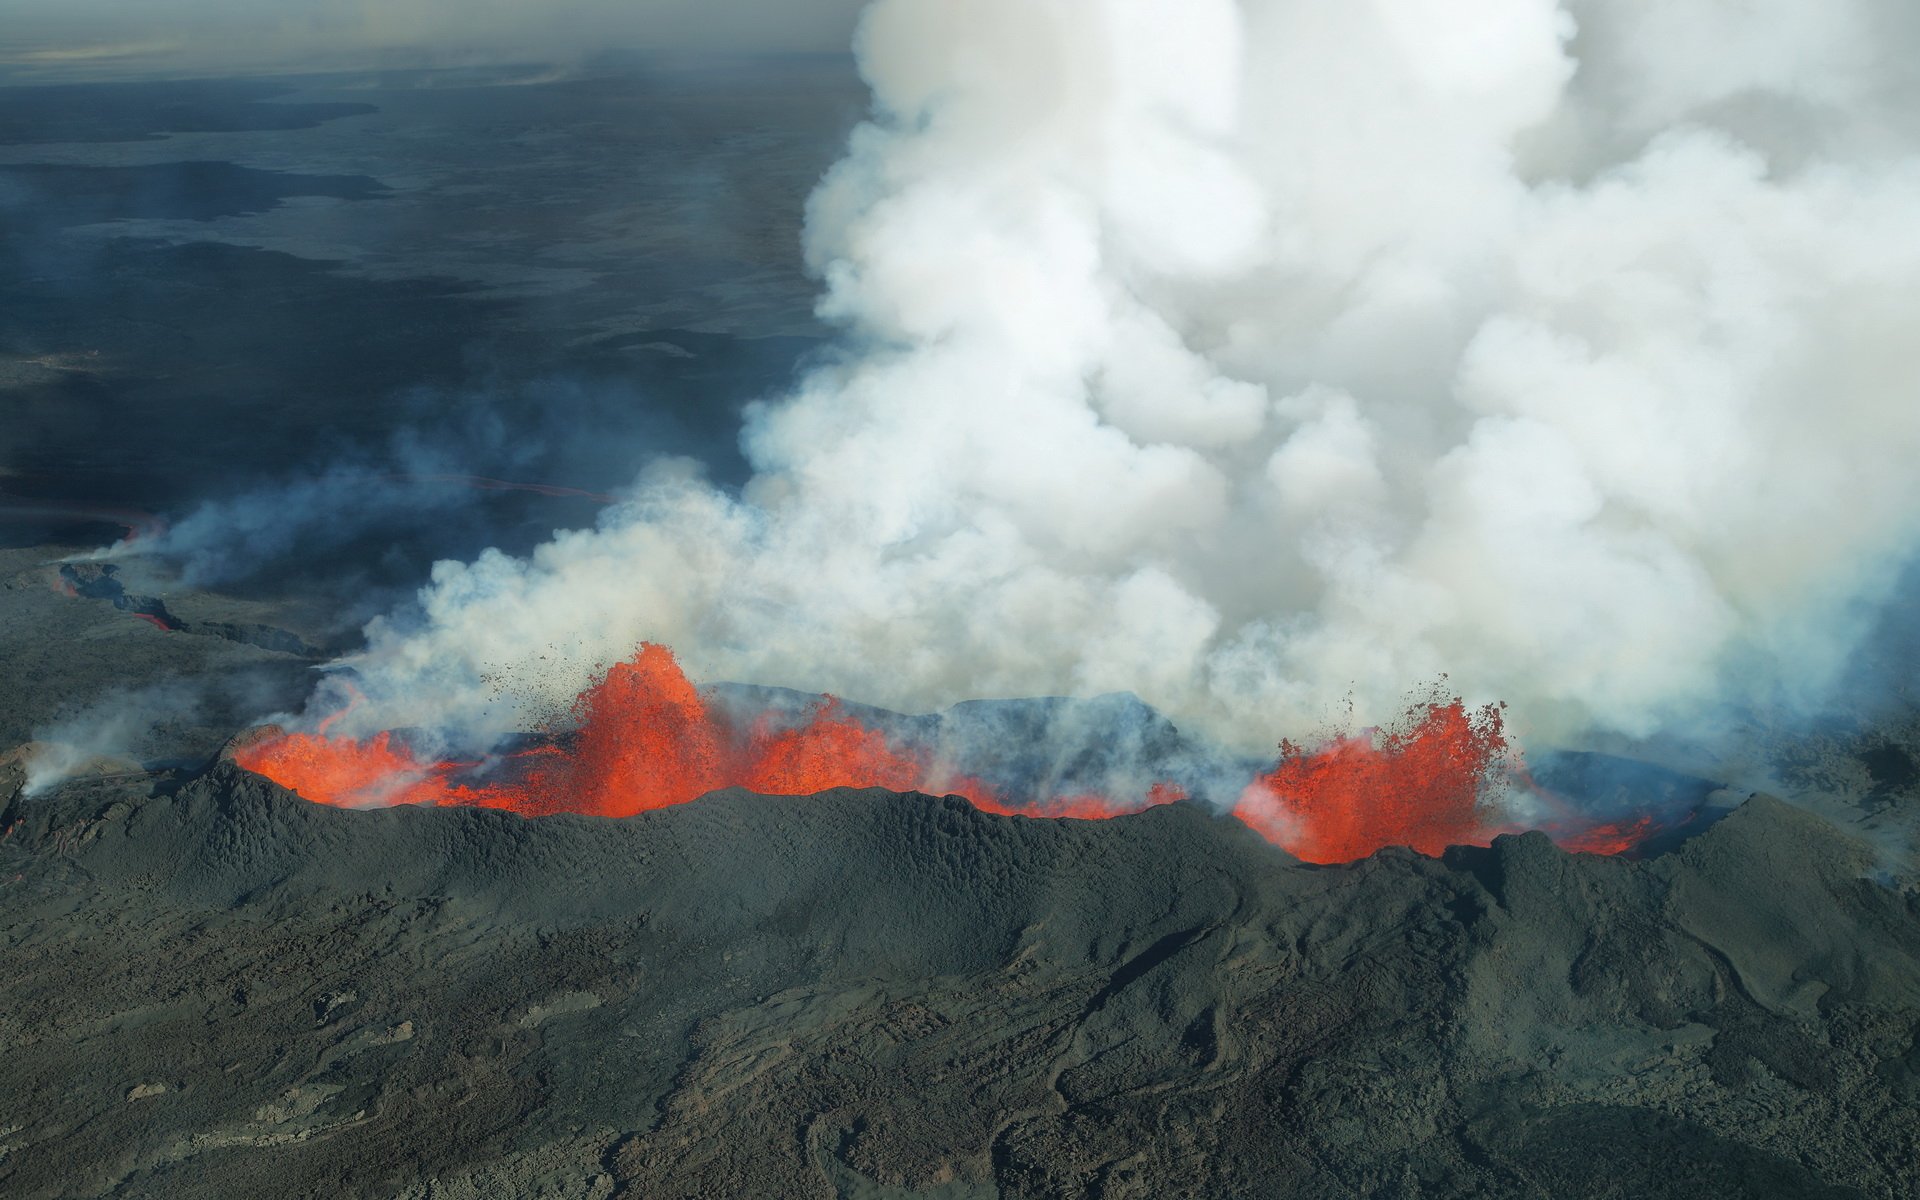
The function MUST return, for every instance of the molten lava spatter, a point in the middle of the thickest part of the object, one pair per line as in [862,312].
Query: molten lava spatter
[1417,785]
[1425,783]
[646,739]
[350,774]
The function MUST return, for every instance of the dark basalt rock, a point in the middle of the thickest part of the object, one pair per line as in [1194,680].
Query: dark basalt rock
[219,989]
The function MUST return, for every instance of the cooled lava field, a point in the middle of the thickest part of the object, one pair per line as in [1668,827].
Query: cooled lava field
[219,988]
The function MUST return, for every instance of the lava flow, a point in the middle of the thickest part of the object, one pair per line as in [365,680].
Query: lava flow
[647,738]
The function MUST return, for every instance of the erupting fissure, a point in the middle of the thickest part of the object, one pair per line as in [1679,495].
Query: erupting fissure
[1427,783]
[646,737]
[1422,784]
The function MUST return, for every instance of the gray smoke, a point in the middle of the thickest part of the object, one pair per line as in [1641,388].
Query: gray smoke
[1246,356]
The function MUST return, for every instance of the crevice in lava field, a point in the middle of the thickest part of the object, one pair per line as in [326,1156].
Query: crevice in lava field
[101,582]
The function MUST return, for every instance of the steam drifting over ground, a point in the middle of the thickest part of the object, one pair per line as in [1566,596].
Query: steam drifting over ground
[1246,356]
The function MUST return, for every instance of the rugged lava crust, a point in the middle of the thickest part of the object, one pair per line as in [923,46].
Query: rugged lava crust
[221,989]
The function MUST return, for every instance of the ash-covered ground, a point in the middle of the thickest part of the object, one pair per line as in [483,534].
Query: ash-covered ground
[296,321]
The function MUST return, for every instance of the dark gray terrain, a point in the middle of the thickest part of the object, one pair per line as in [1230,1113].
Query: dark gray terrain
[216,988]
[288,306]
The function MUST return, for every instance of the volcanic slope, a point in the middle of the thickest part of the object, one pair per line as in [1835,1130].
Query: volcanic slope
[218,989]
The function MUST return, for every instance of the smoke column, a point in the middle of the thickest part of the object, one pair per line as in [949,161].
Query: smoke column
[1246,356]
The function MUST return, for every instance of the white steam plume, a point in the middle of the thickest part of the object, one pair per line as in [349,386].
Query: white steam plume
[1246,355]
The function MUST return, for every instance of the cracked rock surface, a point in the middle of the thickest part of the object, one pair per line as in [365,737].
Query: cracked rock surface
[218,989]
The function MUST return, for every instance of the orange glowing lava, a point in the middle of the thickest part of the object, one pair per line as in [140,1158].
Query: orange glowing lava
[355,698]
[1418,785]
[644,737]
[1425,783]
[350,774]
[647,738]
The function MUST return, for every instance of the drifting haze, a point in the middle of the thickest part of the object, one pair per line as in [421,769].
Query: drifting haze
[1244,356]
[96,37]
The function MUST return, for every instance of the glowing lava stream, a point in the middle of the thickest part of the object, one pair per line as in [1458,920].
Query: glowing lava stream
[648,739]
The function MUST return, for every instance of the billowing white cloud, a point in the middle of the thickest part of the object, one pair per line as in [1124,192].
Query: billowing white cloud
[1245,355]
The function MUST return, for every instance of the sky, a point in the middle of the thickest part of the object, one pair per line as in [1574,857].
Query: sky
[105,38]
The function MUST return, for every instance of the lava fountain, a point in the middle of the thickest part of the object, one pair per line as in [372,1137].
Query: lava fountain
[1423,783]
[1429,781]
[645,737]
